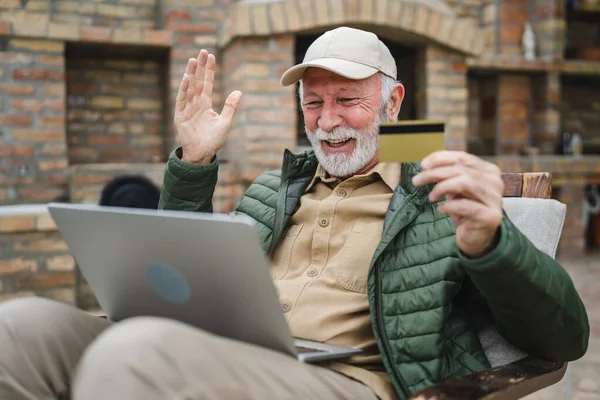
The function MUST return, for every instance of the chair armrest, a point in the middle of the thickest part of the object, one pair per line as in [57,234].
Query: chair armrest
[511,381]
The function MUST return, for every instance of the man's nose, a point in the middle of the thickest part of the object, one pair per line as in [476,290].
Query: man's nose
[329,118]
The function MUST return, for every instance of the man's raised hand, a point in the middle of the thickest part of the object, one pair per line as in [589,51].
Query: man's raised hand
[200,130]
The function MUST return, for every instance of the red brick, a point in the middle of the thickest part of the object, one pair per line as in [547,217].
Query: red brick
[79,154]
[513,110]
[38,75]
[16,151]
[287,101]
[28,104]
[105,140]
[272,116]
[17,224]
[15,119]
[265,56]
[53,121]
[42,194]
[38,135]
[459,67]
[82,88]
[514,13]
[59,178]
[262,86]
[157,37]
[96,33]
[61,263]
[126,154]
[184,40]
[54,90]
[514,129]
[15,58]
[12,266]
[49,165]
[51,60]
[12,88]
[85,180]
[35,281]
[40,244]
[511,34]
[5,28]
[177,15]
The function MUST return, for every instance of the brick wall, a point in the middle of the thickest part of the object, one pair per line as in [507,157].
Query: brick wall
[266,122]
[34,260]
[32,110]
[514,113]
[125,13]
[512,16]
[116,110]
[442,93]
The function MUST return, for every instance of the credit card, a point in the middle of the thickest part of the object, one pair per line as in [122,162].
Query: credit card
[410,141]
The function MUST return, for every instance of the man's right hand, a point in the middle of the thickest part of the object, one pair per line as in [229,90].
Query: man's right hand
[200,130]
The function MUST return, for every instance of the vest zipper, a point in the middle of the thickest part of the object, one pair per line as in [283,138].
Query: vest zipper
[382,334]
[279,213]
[386,348]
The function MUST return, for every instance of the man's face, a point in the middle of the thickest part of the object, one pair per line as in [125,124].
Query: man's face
[342,118]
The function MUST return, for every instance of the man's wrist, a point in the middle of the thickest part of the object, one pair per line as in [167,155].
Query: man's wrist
[203,161]
[489,248]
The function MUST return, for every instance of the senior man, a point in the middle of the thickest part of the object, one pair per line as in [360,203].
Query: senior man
[393,259]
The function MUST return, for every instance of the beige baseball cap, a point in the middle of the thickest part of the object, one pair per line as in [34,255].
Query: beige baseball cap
[350,52]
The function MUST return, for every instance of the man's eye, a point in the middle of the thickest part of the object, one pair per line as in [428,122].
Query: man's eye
[346,99]
[312,103]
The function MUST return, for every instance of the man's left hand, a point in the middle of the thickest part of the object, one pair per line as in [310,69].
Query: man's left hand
[473,190]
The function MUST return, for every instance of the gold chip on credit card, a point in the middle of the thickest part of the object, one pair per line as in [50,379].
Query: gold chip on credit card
[410,141]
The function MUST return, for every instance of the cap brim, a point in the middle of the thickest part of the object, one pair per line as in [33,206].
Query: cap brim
[348,69]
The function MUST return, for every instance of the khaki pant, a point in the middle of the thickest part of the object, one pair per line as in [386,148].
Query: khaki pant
[49,350]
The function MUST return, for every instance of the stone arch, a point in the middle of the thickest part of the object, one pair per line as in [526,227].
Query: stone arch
[412,21]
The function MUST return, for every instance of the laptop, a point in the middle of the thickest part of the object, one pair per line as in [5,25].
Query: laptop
[206,270]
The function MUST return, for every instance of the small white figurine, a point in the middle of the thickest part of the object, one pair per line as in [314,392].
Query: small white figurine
[528,42]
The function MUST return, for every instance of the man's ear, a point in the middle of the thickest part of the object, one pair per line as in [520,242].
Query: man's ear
[395,102]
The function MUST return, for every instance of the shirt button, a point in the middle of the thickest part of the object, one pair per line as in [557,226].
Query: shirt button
[286,306]
[323,222]
[342,193]
[312,273]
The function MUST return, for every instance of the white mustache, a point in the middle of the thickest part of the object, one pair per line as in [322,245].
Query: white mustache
[337,134]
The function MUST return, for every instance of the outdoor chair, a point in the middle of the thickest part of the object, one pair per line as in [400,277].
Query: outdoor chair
[528,204]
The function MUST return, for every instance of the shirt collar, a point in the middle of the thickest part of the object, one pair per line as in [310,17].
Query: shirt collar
[388,172]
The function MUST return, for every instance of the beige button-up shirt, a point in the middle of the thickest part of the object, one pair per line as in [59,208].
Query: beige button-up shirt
[321,266]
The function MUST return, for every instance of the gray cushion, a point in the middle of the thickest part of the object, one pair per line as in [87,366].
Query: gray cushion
[541,221]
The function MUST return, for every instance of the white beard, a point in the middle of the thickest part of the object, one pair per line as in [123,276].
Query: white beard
[341,164]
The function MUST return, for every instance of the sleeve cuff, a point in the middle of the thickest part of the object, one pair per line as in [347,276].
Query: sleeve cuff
[495,260]
[189,172]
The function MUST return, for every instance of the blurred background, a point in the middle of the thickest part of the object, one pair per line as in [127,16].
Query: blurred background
[87,90]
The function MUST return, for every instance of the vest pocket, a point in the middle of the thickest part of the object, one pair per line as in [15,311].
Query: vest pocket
[352,271]
[281,260]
